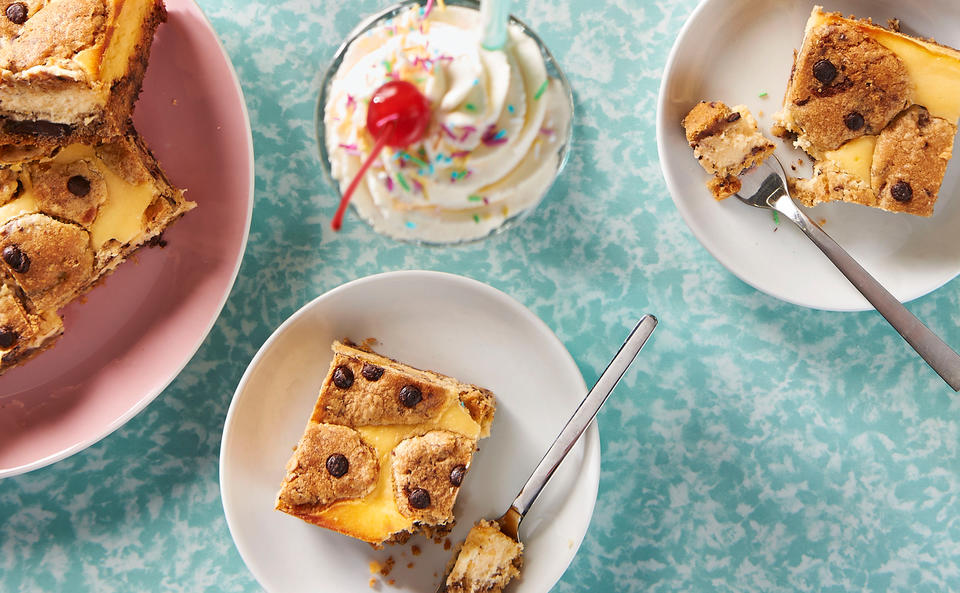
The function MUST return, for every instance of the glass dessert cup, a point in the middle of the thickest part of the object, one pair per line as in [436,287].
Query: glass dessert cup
[560,149]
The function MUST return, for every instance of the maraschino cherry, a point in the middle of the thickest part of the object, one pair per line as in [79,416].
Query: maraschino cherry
[398,116]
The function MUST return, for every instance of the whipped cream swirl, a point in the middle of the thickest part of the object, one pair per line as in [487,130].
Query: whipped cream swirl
[494,142]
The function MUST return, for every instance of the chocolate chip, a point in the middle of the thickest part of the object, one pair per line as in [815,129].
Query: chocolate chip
[17,12]
[8,337]
[457,473]
[337,465]
[923,119]
[371,372]
[901,191]
[419,498]
[733,117]
[39,127]
[824,71]
[853,121]
[78,185]
[410,396]
[343,377]
[16,259]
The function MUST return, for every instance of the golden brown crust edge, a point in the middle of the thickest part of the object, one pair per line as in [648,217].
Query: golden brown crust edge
[111,122]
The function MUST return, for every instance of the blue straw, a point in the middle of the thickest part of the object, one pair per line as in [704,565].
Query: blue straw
[493,18]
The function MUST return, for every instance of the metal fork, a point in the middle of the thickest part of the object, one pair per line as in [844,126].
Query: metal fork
[766,187]
[509,522]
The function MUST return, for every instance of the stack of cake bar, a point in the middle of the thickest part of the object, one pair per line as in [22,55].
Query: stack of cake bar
[79,190]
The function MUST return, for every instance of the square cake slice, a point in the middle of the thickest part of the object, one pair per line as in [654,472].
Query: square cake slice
[726,142]
[385,450]
[71,70]
[876,109]
[69,219]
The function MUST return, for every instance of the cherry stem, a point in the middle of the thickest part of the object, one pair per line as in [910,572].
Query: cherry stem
[385,134]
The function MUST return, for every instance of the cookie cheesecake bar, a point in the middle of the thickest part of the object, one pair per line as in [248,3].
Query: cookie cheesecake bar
[66,221]
[71,70]
[385,450]
[726,142]
[876,109]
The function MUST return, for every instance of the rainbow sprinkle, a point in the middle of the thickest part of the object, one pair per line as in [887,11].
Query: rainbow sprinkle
[470,107]
[447,131]
[467,130]
[410,225]
[476,218]
[351,149]
[426,12]
[510,108]
[459,154]
[540,91]
[492,137]
[409,157]
[403,181]
[475,198]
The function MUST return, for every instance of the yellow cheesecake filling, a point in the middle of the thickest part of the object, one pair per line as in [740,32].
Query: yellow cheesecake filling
[121,43]
[855,157]
[121,215]
[375,517]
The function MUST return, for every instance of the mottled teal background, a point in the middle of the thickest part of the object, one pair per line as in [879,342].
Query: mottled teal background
[756,446]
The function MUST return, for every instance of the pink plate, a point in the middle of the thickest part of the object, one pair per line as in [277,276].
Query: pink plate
[138,330]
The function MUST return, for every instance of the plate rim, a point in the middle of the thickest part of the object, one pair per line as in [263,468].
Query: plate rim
[150,396]
[590,438]
[685,212]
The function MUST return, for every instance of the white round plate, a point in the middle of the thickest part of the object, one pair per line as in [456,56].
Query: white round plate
[734,50]
[447,323]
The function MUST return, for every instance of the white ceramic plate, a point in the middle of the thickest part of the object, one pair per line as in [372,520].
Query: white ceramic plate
[733,50]
[431,320]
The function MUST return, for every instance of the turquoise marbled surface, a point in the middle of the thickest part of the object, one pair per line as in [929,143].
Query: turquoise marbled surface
[756,446]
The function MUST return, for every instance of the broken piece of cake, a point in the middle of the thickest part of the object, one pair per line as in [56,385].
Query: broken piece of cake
[71,70]
[68,220]
[385,450]
[726,143]
[876,109]
[486,562]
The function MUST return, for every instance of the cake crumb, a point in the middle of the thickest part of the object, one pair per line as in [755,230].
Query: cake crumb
[415,550]
[822,221]
[375,567]
[392,582]
[447,543]
[409,564]
[373,583]
[760,113]
[387,566]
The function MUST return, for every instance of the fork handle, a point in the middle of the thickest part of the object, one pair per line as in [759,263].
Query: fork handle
[931,348]
[584,415]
